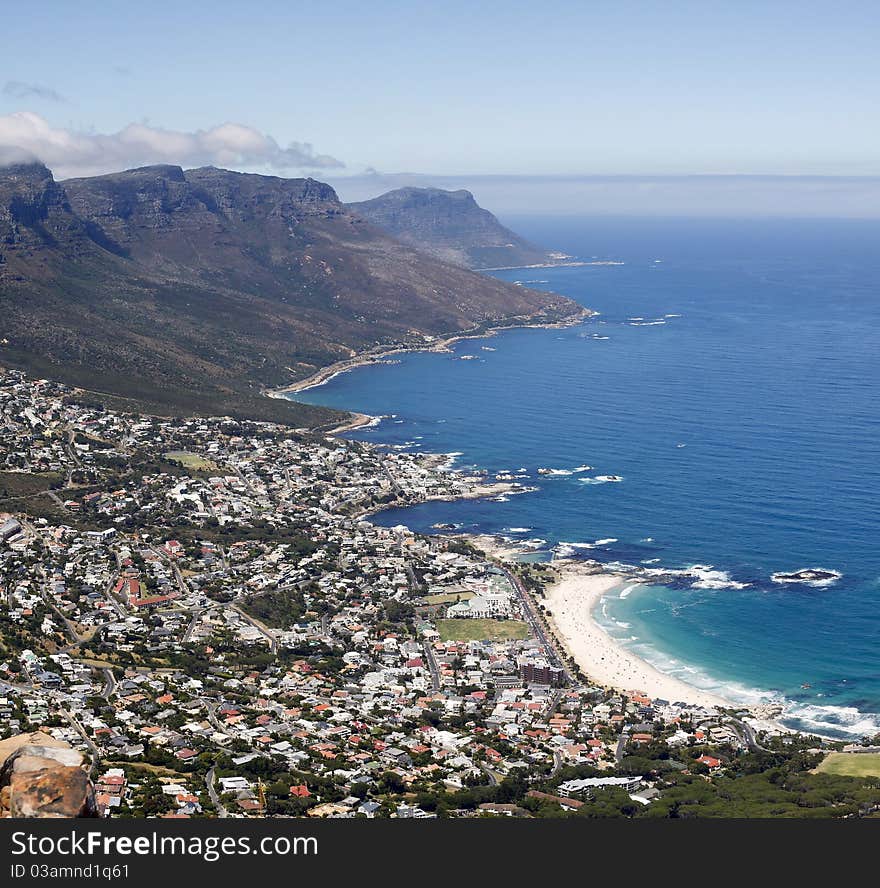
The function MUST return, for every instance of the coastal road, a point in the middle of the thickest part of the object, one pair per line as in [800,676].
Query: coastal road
[747,735]
[534,622]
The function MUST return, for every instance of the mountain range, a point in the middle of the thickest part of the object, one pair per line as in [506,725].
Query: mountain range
[197,290]
[451,226]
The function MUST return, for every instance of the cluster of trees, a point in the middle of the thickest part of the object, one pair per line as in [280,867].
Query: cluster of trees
[278,608]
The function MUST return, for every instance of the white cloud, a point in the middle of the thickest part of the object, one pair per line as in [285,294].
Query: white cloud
[72,153]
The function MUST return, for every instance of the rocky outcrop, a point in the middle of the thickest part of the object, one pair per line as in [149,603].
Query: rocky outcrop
[42,777]
[35,210]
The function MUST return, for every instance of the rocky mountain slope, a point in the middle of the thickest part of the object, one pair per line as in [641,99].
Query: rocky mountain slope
[450,225]
[196,290]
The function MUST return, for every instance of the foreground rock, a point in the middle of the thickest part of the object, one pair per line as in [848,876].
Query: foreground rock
[41,777]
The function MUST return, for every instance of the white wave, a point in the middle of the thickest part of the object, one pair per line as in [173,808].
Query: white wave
[672,316]
[817,577]
[657,323]
[837,719]
[710,578]
[625,593]
[815,718]
[373,422]
[620,567]
[650,561]
[518,529]
[602,479]
[646,540]
[702,576]
[582,468]
[692,675]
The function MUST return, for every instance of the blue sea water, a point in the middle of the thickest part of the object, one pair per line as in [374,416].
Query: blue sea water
[732,380]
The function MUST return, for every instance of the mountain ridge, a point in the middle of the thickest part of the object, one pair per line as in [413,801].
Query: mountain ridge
[451,226]
[197,290]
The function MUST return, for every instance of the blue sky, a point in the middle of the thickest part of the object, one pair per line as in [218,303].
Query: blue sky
[550,88]
[524,103]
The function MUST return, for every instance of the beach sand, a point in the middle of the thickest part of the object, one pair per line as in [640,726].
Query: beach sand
[357,421]
[571,601]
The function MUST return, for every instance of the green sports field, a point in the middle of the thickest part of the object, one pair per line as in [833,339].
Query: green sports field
[481,630]
[851,764]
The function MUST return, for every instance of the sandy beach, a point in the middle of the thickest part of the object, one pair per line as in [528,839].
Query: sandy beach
[571,601]
[357,421]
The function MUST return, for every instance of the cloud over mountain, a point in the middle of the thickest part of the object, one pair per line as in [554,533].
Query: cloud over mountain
[76,153]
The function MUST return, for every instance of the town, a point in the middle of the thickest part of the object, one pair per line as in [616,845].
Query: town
[202,608]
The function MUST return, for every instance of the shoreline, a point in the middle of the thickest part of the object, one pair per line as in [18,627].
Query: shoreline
[357,421]
[374,356]
[571,601]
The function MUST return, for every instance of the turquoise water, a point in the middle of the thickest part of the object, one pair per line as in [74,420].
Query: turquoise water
[733,385]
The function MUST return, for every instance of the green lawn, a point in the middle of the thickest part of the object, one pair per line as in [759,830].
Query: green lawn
[190,460]
[481,630]
[851,764]
[446,598]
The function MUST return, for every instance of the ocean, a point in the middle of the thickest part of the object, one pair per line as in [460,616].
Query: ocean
[732,382]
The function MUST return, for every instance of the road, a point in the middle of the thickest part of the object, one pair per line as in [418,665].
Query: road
[109,684]
[212,793]
[74,723]
[432,666]
[187,636]
[493,779]
[534,622]
[747,735]
[263,630]
[398,490]
[621,745]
